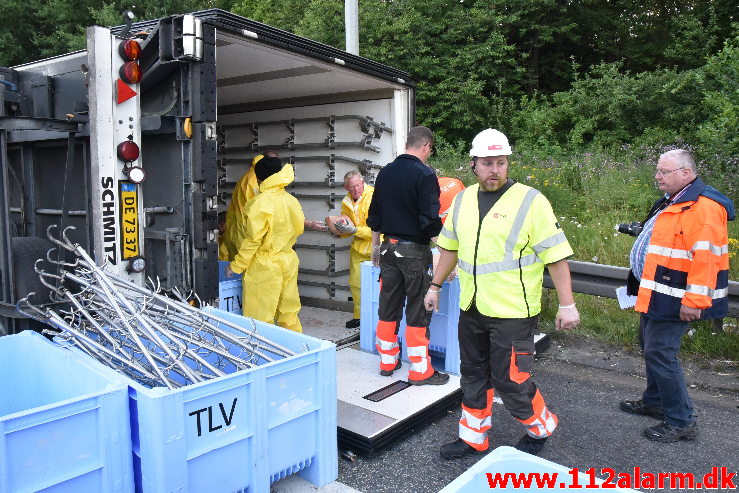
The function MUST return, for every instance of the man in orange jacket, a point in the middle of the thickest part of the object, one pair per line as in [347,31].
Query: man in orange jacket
[448,189]
[680,273]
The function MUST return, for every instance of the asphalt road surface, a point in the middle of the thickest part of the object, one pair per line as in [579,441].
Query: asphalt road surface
[582,382]
[583,387]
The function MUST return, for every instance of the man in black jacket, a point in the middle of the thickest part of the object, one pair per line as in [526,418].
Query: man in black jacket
[405,209]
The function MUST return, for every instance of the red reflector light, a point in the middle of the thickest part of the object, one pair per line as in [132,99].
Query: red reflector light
[130,49]
[131,72]
[128,151]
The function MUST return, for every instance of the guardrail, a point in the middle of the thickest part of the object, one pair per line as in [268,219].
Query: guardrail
[602,280]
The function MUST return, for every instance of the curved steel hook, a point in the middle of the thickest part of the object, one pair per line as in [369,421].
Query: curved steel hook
[69,242]
[60,262]
[42,275]
[40,315]
[68,245]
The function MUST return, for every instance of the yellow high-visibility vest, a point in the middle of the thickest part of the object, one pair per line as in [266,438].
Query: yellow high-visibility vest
[501,259]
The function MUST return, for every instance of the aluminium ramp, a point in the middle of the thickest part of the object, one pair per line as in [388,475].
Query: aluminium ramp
[375,411]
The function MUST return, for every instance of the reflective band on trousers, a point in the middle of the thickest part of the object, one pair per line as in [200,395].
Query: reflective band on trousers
[385,345]
[471,436]
[388,359]
[475,422]
[680,293]
[543,426]
[418,352]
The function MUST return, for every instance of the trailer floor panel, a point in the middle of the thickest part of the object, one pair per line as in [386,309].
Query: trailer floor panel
[365,426]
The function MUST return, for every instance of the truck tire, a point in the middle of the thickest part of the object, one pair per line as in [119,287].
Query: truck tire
[26,250]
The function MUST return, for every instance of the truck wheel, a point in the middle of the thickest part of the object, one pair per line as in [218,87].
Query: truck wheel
[26,250]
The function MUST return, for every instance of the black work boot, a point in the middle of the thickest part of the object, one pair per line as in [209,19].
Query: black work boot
[638,407]
[531,445]
[389,373]
[457,449]
[437,378]
[667,433]
[353,324]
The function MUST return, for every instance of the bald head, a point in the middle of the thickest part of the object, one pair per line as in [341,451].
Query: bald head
[675,169]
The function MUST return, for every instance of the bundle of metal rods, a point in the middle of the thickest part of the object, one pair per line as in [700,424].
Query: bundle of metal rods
[154,339]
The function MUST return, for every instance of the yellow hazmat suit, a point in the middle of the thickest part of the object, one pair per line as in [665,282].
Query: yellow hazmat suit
[361,249]
[269,225]
[246,189]
[222,250]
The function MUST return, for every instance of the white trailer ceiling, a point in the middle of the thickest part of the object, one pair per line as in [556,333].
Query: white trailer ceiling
[251,72]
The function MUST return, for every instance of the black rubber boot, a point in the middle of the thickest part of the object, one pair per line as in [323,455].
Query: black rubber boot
[531,445]
[437,378]
[389,373]
[457,449]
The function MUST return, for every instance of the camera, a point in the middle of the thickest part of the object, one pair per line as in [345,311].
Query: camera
[631,229]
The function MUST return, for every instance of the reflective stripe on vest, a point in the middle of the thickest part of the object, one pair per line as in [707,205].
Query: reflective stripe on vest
[508,262]
[680,293]
[501,266]
[523,210]
[550,242]
[452,235]
[475,422]
[706,291]
[669,252]
[717,250]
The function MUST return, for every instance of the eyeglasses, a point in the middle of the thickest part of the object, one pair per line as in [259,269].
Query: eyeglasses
[661,172]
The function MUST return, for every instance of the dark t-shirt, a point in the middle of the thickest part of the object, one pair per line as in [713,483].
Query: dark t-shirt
[405,204]
[486,200]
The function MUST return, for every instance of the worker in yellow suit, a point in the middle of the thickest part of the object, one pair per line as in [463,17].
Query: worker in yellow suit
[246,189]
[222,250]
[269,225]
[356,207]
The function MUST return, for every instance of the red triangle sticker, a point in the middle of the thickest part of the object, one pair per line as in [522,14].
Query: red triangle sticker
[124,92]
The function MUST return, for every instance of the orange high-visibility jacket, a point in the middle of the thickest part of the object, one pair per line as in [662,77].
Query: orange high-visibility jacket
[687,258]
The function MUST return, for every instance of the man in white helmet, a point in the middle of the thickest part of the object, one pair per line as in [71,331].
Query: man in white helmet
[501,234]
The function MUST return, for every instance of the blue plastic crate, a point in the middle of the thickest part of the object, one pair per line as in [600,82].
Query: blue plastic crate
[229,291]
[64,426]
[505,462]
[229,296]
[242,431]
[443,326]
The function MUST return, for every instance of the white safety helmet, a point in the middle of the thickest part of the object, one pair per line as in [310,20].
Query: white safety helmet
[490,142]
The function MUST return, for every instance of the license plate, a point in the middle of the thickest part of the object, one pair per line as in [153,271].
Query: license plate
[129,221]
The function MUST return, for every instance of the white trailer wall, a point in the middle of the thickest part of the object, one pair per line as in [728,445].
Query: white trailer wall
[319,172]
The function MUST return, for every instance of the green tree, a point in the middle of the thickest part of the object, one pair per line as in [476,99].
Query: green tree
[19,23]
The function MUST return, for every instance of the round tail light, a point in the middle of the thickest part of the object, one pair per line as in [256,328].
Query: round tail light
[128,151]
[130,50]
[130,72]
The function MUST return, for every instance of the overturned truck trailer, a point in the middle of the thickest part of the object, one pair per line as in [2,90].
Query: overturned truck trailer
[139,145]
